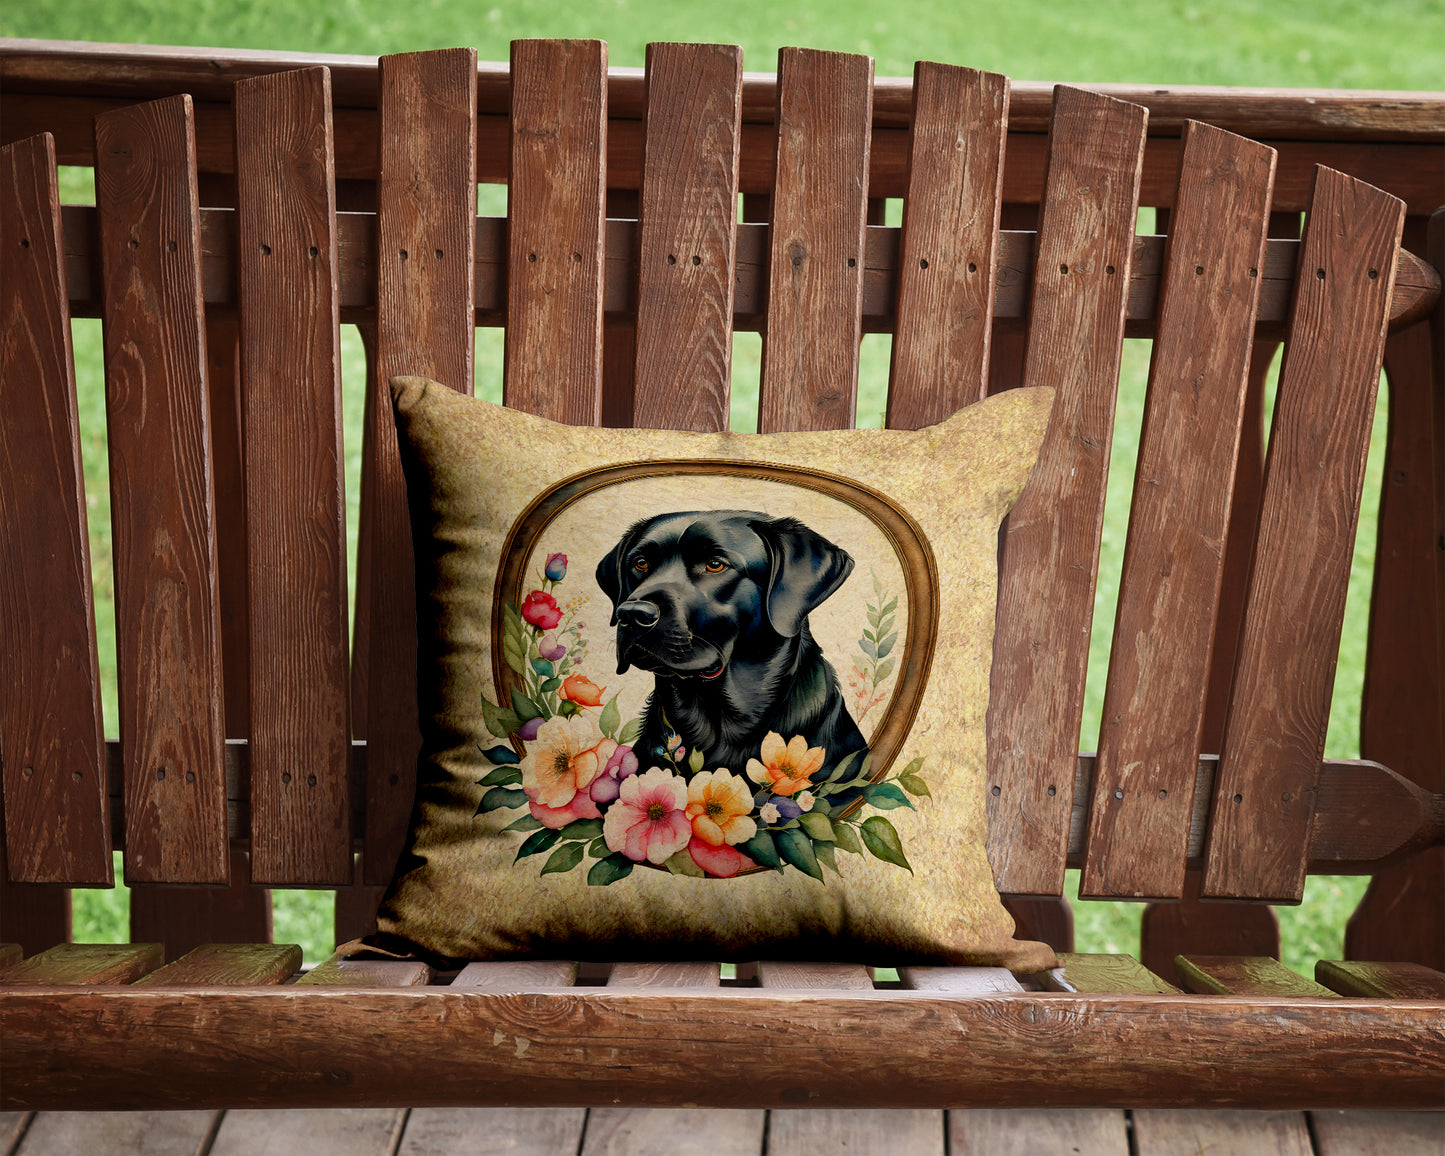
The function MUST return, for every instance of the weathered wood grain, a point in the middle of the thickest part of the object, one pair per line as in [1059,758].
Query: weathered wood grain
[1191,925]
[336,972]
[1172,1131]
[1342,1133]
[664,975]
[947,266]
[56,818]
[1243,975]
[120,1133]
[1051,548]
[1154,700]
[515,1131]
[85,964]
[33,915]
[183,918]
[228,963]
[798,976]
[517,974]
[335,1132]
[168,631]
[1384,980]
[1275,731]
[816,260]
[868,1132]
[1088,972]
[674,1132]
[13,1125]
[426,219]
[295,499]
[555,207]
[687,237]
[959,980]
[1030,1131]
[10,953]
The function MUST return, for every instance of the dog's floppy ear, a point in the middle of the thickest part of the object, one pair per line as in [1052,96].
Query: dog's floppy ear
[609,572]
[805,568]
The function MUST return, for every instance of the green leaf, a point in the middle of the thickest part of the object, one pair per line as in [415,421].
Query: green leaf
[537,842]
[886,796]
[583,829]
[870,636]
[525,823]
[610,719]
[682,864]
[605,871]
[515,655]
[846,837]
[885,668]
[843,764]
[868,648]
[502,754]
[890,606]
[914,785]
[817,826]
[543,667]
[887,645]
[550,685]
[873,618]
[761,849]
[564,858]
[695,761]
[913,767]
[564,666]
[525,708]
[598,848]
[500,798]
[500,723]
[568,709]
[501,777]
[797,849]
[629,734]
[880,837]
[824,851]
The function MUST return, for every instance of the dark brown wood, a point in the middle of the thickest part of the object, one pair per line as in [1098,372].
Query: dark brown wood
[168,631]
[1243,975]
[1189,926]
[57,827]
[1050,556]
[1275,732]
[947,267]
[355,911]
[687,237]
[72,964]
[183,918]
[1109,973]
[664,975]
[1399,916]
[33,915]
[816,260]
[1048,918]
[555,206]
[228,963]
[1382,980]
[1153,714]
[120,1047]
[10,953]
[425,255]
[300,746]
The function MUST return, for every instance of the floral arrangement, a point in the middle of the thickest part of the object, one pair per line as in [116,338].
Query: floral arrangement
[568,757]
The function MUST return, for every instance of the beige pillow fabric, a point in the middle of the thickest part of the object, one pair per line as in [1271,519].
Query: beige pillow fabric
[705,695]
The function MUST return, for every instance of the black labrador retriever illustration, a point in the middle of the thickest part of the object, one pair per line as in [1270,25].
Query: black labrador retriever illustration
[715,604]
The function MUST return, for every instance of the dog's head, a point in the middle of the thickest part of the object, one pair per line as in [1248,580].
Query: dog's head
[692,591]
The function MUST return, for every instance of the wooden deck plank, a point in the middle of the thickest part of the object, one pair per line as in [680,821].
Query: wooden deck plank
[1169,1132]
[120,1133]
[315,1132]
[1384,980]
[480,1131]
[1034,1131]
[12,1127]
[1346,1133]
[85,964]
[674,1132]
[57,822]
[228,963]
[295,496]
[1243,975]
[167,595]
[856,1131]
[970,980]
[517,974]
[791,975]
[664,975]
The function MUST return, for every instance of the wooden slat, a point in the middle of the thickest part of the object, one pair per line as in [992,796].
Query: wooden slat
[228,963]
[335,1132]
[295,500]
[168,631]
[1243,975]
[1051,551]
[10,953]
[959,980]
[1193,926]
[355,912]
[33,915]
[1172,1131]
[56,818]
[1339,1133]
[1384,980]
[555,205]
[183,918]
[1030,1131]
[664,975]
[425,253]
[336,972]
[1275,732]
[876,1132]
[517,974]
[1154,702]
[1088,972]
[121,1133]
[799,976]
[674,1132]
[687,237]
[515,1131]
[86,963]
[947,267]
[816,259]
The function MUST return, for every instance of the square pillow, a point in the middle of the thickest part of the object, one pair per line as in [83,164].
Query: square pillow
[712,696]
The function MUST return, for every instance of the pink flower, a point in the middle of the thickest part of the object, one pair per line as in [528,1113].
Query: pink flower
[550,649]
[722,861]
[582,690]
[608,784]
[566,757]
[581,807]
[541,610]
[649,819]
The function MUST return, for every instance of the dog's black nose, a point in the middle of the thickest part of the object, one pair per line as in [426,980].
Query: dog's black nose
[639,615]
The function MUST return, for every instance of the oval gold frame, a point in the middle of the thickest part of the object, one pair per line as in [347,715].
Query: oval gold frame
[920,571]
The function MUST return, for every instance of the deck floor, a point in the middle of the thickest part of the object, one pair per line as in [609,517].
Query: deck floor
[708,1132]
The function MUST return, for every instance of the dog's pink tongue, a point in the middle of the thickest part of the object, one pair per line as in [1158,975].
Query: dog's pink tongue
[713,671]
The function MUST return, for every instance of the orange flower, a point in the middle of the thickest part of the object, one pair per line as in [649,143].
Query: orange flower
[786,768]
[718,803]
[582,690]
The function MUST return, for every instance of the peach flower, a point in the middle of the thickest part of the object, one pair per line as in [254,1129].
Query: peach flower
[718,803]
[582,690]
[785,768]
[566,757]
[649,819]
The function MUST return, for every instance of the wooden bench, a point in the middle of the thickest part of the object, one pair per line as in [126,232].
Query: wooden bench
[247,203]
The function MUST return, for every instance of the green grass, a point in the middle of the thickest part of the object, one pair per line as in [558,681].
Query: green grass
[1315,43]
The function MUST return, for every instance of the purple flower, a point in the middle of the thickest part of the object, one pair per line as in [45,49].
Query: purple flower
[550,649]
[556,567]
[786,807]
[529,729]
[608,783]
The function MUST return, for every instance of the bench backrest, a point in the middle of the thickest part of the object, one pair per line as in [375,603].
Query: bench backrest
[242,699]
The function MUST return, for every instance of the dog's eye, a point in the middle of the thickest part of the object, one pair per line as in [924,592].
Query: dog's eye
[716,565]
[640,565]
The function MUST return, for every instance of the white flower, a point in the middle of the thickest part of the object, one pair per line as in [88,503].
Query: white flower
[769,813]
[805,801]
